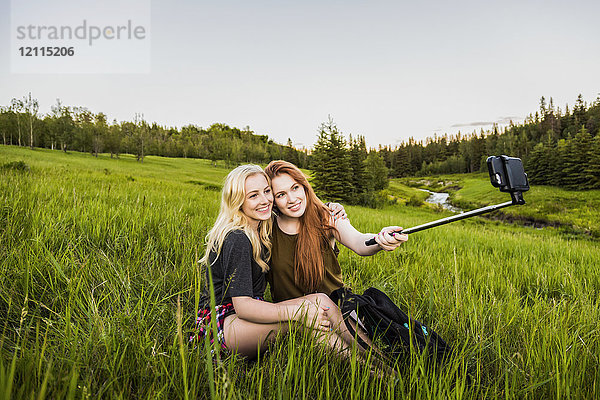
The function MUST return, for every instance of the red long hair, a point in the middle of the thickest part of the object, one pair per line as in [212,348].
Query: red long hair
[315,230]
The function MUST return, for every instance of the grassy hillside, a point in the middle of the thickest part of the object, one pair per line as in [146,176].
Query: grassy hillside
[98,255]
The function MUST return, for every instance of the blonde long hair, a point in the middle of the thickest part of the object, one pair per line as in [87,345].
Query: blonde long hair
[232,218]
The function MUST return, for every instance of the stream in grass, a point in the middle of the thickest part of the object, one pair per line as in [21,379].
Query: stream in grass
[440,199]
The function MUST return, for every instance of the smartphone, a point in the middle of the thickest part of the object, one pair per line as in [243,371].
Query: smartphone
[507,174]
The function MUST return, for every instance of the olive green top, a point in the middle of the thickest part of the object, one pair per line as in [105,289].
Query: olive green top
[281,273]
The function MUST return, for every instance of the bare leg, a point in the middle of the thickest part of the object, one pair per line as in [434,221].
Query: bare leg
[248,338]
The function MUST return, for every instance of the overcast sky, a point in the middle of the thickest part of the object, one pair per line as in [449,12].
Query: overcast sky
[387,70]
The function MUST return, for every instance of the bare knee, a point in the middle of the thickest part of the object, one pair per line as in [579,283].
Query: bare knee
[248,338]
[321,299]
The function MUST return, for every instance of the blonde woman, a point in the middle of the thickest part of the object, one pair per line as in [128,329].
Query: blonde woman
[237,254]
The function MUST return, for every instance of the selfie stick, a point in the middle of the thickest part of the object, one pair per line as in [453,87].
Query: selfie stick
[506,173]
[516,200]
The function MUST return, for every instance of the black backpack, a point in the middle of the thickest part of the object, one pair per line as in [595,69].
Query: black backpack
[385,322]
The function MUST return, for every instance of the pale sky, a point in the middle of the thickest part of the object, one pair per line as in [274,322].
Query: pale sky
[387,70]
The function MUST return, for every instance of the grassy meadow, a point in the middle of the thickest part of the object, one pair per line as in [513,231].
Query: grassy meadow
[99,287]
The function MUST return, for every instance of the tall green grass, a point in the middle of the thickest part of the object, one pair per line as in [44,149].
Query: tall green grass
[99,287]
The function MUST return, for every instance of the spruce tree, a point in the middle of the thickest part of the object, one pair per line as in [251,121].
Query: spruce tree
[593,168]
[534,165]
[415,154]
[332,179]
[549,160]
[377,171]
[290,153]
[357,156]
[560,156]
[540,165]
[577,160]
[579,111]
[402,162]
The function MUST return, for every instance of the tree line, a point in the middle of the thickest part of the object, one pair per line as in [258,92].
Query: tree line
[79,129]
[557,147]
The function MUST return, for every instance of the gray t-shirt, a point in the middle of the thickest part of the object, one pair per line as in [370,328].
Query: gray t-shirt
[234,273]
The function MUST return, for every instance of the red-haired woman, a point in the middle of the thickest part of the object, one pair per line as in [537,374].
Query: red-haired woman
[304,252]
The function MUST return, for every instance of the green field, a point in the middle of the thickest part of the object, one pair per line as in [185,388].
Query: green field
[97,255]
